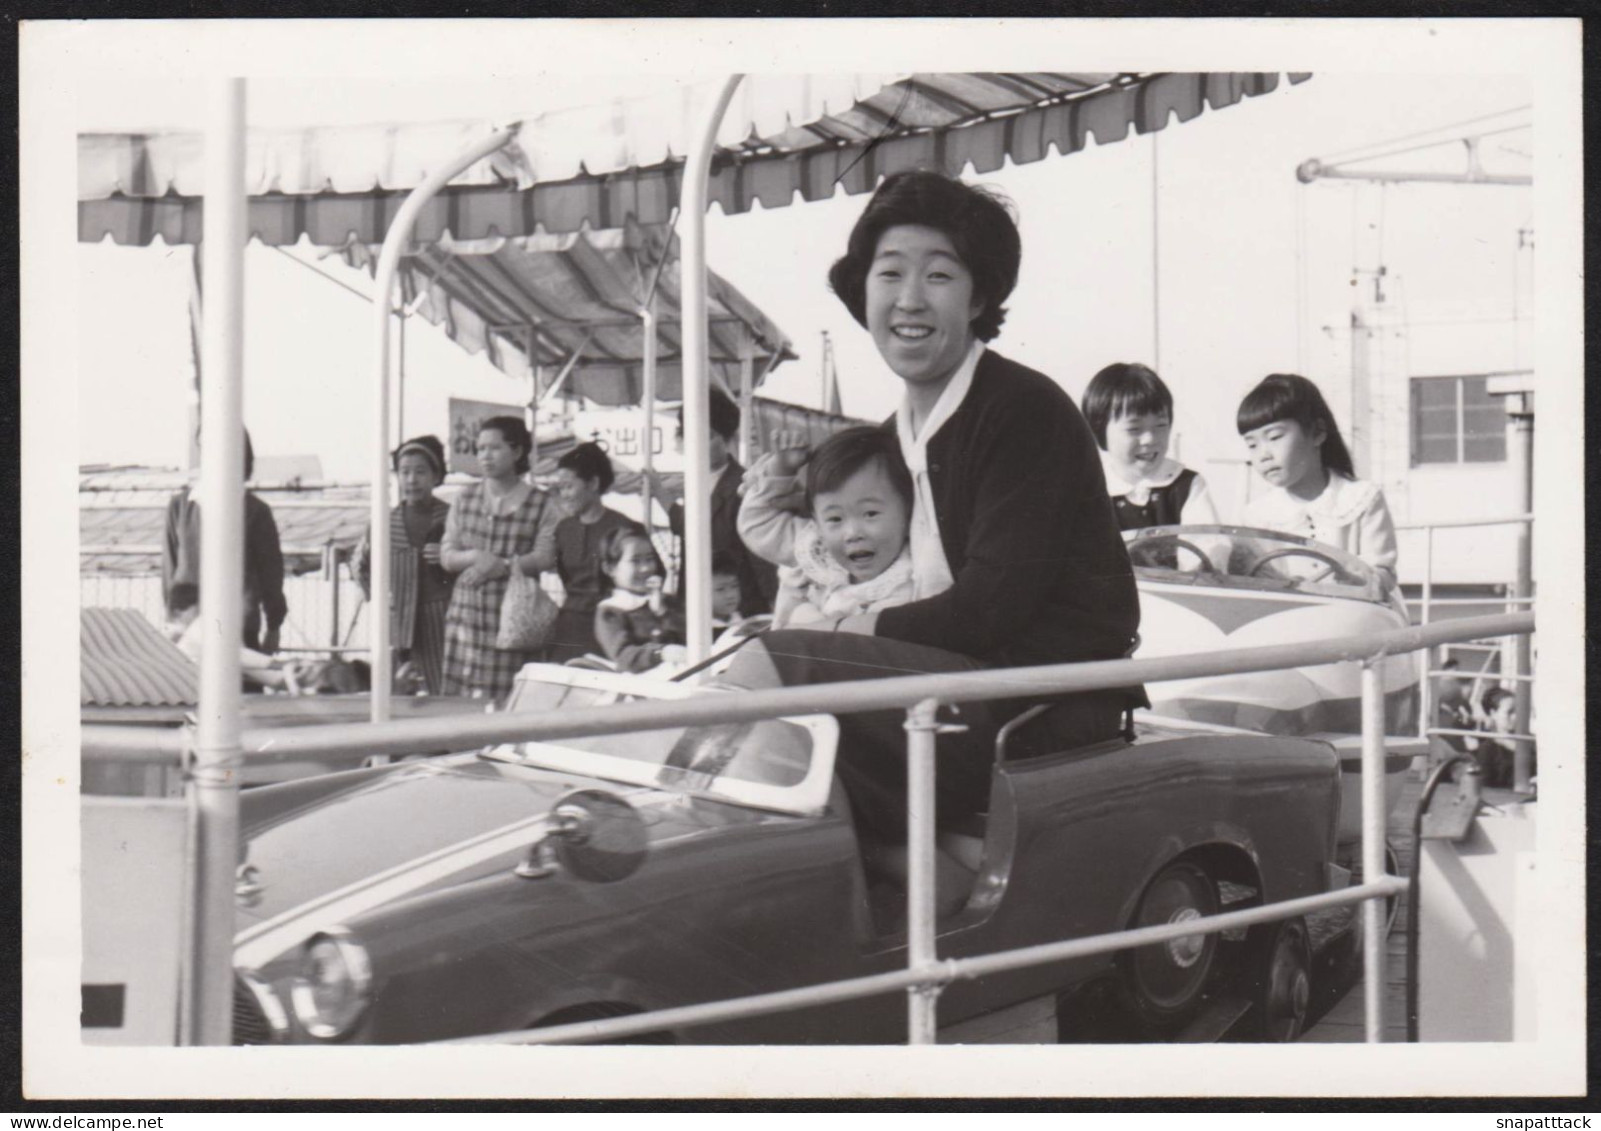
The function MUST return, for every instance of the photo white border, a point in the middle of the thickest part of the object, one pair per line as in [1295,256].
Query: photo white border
[52,57]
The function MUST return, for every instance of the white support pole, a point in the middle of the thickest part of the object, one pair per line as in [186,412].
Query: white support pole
[697,472]
[1520,454]
[747,391]
[647,395]
[1426,707]
[395,241]
[208,1000]
[1373,817]
[922,999]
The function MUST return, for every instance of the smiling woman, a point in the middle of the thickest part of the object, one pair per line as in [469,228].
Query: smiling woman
[1015,553]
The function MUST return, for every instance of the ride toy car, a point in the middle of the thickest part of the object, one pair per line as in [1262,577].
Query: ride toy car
[539,883]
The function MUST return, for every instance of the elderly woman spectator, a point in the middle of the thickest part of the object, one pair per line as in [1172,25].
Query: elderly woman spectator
[419,594]
[583,476]
[498,524]
[1016,554]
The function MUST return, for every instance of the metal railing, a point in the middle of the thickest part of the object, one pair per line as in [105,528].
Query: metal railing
[1522,661]
[919,695]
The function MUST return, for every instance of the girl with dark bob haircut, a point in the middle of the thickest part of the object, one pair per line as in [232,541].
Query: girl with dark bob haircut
[977,221]
[1014,549]
[1125,388]
[1130,410]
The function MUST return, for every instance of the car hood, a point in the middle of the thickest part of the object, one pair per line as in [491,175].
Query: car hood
[326,859]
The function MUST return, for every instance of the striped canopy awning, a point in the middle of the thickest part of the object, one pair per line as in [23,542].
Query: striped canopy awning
[535,303]
[601,165]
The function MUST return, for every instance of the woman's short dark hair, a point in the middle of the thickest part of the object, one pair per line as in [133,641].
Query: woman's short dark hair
[846,452]
[1124,389]
[978,222]
[515,433]
[1289,396]
[589,461]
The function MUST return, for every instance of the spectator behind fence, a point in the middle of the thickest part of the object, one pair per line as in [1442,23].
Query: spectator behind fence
[419,587]
[1495,755]
[758,580]
[498,524]
[264,604]
[583,476]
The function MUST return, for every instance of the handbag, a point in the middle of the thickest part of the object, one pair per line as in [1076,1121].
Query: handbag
[526,614]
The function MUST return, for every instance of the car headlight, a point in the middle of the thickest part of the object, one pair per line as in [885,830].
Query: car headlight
[334,986]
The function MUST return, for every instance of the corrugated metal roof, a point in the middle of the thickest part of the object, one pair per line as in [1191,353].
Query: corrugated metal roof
[125,528]
[125,662]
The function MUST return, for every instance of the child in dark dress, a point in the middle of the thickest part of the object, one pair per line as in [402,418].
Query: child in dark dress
[1130,411]
[637,627]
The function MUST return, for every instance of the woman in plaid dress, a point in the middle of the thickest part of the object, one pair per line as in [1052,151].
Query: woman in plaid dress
[498,521]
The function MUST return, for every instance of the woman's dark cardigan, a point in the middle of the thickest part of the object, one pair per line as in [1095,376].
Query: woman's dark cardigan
[1028,529]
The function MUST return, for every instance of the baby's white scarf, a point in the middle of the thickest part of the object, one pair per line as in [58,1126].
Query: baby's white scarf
[931,572]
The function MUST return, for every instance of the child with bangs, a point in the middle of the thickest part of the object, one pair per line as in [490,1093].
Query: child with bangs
[1130,411]
[848,552]
[1296,446]
[638,627]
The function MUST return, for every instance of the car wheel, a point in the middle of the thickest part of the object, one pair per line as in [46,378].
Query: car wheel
[1282,957]
[1164,984]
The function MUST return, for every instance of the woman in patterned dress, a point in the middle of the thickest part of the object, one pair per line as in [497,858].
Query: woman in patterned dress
[583,475]
[500,521]
[419,591]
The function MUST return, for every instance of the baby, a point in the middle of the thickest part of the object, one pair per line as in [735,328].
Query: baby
[847,553]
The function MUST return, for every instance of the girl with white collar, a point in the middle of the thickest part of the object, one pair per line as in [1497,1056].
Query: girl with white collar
[1130,411]
[1297,447]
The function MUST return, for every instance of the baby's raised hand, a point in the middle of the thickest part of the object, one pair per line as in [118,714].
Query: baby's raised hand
[790,450]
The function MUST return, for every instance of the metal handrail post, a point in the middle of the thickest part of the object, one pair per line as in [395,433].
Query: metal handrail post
[697,580]
[208,973]
[395,240]
[647,394]
[922,998]
[1426,707]
[1373,817]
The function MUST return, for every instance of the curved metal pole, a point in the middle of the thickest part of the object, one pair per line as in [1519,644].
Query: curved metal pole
[208,994]
[697,473]
[383,289]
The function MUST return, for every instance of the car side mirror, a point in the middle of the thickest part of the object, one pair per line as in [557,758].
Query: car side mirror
[594,835]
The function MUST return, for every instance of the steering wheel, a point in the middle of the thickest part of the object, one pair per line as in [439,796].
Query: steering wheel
[1331,565]
[1144,544]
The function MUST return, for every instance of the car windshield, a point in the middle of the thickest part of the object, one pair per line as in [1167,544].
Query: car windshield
[1245,557]
[769,763]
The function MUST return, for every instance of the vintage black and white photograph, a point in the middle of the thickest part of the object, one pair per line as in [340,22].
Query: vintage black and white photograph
[811,538]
